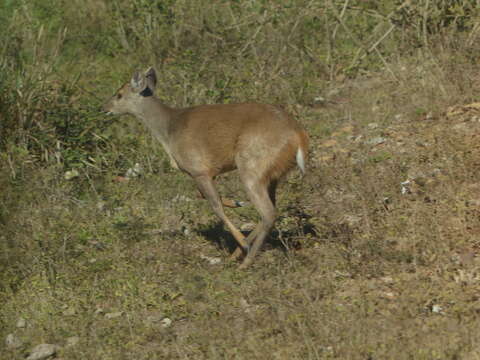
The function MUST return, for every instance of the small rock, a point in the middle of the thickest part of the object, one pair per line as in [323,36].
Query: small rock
[245,305]
[72,341]
[214,261]
[43,351]
[319,101]
[437,309]
[114,315]
[327,349]
[181,198]
[388,295]
[211,260]
[376,141]
[13,342]
[405,187]
[186,231]
[71,174]
[387,280]
[134,172]
[372,126]
[166,322]
[21,323]
[101,205]
[247,227]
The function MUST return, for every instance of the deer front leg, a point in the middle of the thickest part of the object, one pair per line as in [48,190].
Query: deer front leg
[207,189]
[237,254]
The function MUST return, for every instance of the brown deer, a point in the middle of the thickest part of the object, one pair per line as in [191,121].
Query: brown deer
[262,141]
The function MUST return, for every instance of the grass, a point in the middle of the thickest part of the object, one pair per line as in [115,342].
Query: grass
[374,255]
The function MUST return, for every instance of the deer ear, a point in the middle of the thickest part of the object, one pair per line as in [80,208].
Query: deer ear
[151,76]
[138,82]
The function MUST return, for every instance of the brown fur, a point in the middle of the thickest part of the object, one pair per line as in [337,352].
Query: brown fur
[259,140]
[286,158]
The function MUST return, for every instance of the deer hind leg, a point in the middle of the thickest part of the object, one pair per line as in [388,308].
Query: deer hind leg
[207,189]
[259,196]
[272,187]
[230,203]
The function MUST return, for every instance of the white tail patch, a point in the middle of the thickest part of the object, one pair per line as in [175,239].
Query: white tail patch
[301,160]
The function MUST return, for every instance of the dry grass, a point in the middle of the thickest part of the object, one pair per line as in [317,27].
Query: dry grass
[360,266]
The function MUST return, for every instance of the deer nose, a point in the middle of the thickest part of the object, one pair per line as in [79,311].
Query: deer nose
[105,109]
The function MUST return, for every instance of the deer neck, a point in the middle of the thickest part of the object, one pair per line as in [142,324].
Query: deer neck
[157,117]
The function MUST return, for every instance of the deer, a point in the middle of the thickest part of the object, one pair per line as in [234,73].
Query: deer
[263,142]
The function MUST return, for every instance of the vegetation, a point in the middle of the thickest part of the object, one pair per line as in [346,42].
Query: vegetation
[375,251]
